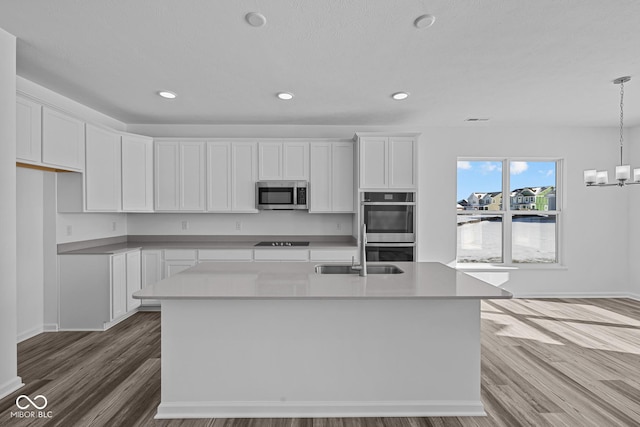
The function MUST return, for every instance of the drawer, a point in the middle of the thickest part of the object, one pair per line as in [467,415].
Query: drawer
[281,254]
[180,254]
[225,255]
[333,254]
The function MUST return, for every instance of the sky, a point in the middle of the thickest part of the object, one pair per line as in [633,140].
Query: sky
[486,176]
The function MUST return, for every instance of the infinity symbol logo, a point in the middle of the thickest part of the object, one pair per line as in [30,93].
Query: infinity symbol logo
[31,402]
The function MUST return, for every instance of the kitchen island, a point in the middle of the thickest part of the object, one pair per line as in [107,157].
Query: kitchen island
[277,339]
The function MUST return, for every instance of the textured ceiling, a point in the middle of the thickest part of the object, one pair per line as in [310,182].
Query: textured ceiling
[516,62]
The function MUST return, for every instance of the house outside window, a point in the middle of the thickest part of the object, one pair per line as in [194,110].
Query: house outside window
[525,230]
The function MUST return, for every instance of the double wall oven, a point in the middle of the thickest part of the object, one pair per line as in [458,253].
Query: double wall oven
[390,221]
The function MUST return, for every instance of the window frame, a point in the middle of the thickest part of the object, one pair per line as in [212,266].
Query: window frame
[507,213]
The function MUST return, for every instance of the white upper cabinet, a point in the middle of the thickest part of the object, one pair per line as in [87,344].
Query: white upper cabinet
[219,176]
[283,160]
[102,171]
[402,162]
[331,177]
[270,160]
[387,161]
[180,176]
[137,173]
[244,173]
[192,176]
[62,140]
[342,185]
[231,176]
[320,182]
[28,130]
[295,161]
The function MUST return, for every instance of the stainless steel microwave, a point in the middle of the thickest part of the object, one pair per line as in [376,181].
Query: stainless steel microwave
[284,195]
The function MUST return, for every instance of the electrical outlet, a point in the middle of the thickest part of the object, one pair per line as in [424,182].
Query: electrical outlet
[69,230]
[185,225]
[114,226]
[338,226]
[238,225]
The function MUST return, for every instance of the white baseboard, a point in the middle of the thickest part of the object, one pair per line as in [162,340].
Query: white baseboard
[10,386]
[172,410]
[51,327]
[149,308]
[30,333]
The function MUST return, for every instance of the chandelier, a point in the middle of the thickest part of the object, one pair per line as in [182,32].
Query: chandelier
[595,178]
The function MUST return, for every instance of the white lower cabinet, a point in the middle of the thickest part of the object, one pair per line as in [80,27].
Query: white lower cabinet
[334,255]
[177,260]
[95,289]
[134,279]
[281,254]
[151,265]
[205,255]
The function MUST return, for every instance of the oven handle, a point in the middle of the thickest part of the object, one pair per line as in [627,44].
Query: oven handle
[391,245]
[388,203]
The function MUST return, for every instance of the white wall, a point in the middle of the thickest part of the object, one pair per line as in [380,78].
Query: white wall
[263,223]
[594,220]
[30,252]
[633,193]
[9,380]
[89,226]
[594,234]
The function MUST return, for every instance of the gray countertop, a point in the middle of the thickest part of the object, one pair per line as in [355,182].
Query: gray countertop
[216,242]
[298,280]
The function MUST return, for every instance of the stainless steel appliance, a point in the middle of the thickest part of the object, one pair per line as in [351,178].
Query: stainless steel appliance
[391,252]
[390,223]
[282,195]
[389,216]
[282,244]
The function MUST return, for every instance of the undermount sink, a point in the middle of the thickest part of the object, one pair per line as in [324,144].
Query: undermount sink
[346,269]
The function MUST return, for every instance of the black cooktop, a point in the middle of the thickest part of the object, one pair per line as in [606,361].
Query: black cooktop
[282,244]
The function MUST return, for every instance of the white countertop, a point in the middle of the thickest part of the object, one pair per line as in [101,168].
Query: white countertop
[298,280]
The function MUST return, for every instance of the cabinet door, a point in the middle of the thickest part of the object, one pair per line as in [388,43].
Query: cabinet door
[151,271]
[167,176]
[269,160]
[118,286]
[218,176]
[320,178]
[373,162]
[102,171]
[244,167]
[192,176]
[134,279]
[342,189]
[174,267]
[295,161]
[62,140]
[137,173]
[28,130]
[402,162]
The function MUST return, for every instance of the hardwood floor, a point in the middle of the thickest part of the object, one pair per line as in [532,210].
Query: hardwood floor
[545,362]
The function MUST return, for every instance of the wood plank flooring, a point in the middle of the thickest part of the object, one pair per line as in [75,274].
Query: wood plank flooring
[545,362]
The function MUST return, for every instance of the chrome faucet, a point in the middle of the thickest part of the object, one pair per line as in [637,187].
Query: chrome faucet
[362,267]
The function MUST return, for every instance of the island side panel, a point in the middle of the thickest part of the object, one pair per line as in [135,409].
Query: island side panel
[320,357]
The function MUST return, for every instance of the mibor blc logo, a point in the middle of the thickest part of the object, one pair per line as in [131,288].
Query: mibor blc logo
[31,407]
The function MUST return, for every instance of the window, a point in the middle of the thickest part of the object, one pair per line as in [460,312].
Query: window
[518,227]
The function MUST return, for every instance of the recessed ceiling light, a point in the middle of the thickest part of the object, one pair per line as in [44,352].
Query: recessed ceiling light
[167,94]
[399,96]
[255,19]
[424,21]
[285,96]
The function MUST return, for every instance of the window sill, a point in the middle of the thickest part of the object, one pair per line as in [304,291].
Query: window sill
[510,267]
